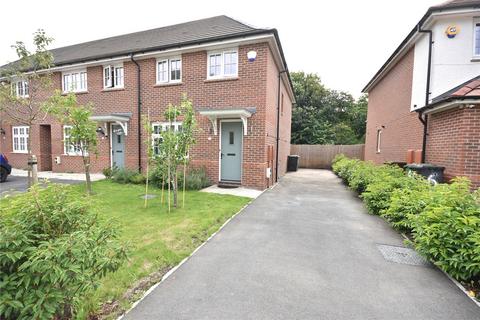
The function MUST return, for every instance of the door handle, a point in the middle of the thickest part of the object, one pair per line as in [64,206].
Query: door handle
[231,154]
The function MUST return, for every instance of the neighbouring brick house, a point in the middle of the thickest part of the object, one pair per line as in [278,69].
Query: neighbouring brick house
[236,76]
[426,97]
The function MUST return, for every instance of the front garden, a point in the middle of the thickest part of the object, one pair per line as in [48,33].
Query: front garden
[102,251]
[442,221]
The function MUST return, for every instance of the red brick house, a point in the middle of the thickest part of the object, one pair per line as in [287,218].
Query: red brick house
[236,76]
[426,97]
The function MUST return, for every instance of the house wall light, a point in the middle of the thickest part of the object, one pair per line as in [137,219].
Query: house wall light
[100,130]
[251,55]
[2,131]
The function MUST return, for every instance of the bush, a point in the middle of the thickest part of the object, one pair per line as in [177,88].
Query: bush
[409,200]
[447,231]
[53,250]
[125,176]
[196,179]
[108,172]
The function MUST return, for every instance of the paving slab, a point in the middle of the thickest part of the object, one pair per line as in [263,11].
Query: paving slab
[306,249]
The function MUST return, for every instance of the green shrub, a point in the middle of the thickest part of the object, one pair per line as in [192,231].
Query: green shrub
[53,250]
[196,179]
[362,175]
[108,172]
[345,167]
[138,178]
[447,232]
[409,200]
[156,178]
[124,175]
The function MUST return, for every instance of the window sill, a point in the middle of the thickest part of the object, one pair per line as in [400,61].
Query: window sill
[113,89]
[168,84]
[221,79]
[74,92]
[71,155]
[475,59]
[19,152]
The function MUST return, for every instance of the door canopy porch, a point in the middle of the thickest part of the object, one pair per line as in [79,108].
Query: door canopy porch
[214,114]
[118,118]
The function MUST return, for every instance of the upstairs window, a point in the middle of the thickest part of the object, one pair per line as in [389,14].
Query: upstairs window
[157,129]
[20,136]
[20,89]
[113,77]
[223,64]
[169,70]
[476,42]
[74,81]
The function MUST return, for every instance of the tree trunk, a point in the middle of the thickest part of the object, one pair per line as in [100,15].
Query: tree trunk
[146,187]
[184,181]
[175,187]
[32,178]
[163,186]
[88,182]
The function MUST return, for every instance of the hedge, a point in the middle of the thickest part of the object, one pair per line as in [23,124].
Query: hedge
[443,219]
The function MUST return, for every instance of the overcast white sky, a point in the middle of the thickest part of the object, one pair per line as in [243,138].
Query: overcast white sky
[345,42]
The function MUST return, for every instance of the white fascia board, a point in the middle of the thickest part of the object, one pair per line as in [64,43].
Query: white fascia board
[450,105]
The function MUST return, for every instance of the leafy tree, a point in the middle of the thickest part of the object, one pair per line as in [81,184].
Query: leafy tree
[22,104]
[325,116]
[83,134]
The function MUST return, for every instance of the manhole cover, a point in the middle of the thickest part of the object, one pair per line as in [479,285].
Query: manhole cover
[148,196]
[402,255]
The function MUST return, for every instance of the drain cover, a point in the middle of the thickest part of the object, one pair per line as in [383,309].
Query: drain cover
[402,255]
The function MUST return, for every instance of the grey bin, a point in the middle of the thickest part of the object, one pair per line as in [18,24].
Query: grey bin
[429,171]
[292,162]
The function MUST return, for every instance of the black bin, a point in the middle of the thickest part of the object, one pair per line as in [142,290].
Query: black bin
[292,163]
[429,171]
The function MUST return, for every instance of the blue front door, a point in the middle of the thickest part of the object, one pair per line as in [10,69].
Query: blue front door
[118,146]
[231,151]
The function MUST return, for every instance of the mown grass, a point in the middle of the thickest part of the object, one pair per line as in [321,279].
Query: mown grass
[158,240]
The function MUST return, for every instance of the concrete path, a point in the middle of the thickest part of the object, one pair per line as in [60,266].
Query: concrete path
[304,250]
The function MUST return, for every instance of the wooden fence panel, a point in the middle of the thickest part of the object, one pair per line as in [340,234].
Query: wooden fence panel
[321,156]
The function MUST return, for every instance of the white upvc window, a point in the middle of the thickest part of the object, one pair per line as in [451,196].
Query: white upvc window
[476,38]
[74,81]
[379,140]
[20,135]
[20,88]
[69,147]
[169,70]
[158,128]
[113,76]
[222,64]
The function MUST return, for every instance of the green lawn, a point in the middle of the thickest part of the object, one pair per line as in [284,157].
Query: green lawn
[159,240]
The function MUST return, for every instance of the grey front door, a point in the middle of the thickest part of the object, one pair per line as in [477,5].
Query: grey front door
[118,146]
[231,151]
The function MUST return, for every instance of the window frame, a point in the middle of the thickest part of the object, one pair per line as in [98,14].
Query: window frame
[67,151]
[379,141]
[25,135]
[112,81]
[168,63]
[476,23]
[25,88]
[71,74]
[177,127]
[222,53]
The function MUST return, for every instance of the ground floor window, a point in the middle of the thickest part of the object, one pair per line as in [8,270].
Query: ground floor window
[157,129]
[20,137]
[69,147]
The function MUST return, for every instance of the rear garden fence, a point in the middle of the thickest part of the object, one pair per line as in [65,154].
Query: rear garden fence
[321,156]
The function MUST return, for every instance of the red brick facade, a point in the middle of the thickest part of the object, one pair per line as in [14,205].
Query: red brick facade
[453,141]
[389,111]
[256,86]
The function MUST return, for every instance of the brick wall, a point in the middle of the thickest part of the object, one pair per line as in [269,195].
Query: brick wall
[453,141]
[255,86]
[389,106]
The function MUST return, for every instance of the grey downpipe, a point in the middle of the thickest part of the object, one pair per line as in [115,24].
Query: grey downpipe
[139,111]
[278,123]
[424,120]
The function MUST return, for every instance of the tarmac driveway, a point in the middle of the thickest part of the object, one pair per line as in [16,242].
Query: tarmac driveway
[306,249]
[19,184]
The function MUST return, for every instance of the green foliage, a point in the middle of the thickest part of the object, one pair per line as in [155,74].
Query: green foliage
[196,179]
[448,230]
[108,172]
[444,219]
[125,175]
[324,116]
[53,250]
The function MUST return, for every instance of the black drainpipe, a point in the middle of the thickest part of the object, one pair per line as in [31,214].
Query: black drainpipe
[139,111]
[424,119]
[278,123]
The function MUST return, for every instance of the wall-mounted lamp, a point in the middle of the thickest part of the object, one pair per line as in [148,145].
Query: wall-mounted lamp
[251,55]
[2,131]
[100,130]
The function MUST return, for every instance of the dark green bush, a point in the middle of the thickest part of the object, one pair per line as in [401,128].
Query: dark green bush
[125,175]
[108,172]
[447,231]
[196,179]
[53,250]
